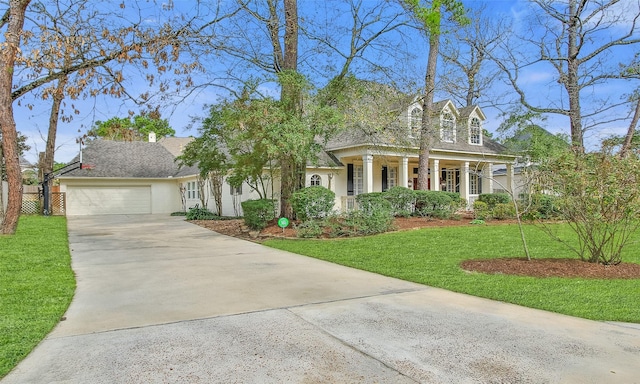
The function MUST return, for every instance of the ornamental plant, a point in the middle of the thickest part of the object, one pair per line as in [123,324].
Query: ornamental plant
[313,202]
[598,195]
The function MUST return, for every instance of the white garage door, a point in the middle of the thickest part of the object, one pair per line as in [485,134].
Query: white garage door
[108,200]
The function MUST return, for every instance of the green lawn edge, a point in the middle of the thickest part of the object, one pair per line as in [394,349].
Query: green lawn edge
[432,256]
[37,285]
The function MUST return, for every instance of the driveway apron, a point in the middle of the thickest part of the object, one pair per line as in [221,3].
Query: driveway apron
[160,300]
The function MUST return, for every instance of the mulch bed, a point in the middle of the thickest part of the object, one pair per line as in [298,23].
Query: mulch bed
[508,266]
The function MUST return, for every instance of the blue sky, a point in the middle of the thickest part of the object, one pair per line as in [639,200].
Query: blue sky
[34,122]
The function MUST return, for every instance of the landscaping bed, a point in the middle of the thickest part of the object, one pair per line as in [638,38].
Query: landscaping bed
[537,267]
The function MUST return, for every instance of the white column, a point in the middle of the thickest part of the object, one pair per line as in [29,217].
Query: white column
[464,181]
[487,178]
[435,174]
[403,172]
[510,186]
[367,173]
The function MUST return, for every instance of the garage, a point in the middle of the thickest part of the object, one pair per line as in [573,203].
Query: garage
[108,200]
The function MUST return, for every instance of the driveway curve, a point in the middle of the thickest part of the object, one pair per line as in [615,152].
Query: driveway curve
[160,300]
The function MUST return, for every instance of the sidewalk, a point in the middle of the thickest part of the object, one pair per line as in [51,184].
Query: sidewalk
[160,300]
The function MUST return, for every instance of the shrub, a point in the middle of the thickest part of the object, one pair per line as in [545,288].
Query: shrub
[480,210]
[313,202]
[433,203]
[257,213]
[363,223]
[373,201]
[310,228]
[492,199]
[545,206]
[402,200]
[197,213]
[456,201]
[503,211]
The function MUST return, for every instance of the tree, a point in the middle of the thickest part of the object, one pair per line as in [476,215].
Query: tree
[598,196]
[522,134]
[136,128]
[430,18]
[73,49]
[468,75]
[294,51]
[14,21]
[575,39]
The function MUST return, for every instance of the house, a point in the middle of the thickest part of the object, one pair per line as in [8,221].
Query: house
[135,178]
[461,160]
[143,177]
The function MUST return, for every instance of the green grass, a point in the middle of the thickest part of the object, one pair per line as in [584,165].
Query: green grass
[36,285]
[431,256]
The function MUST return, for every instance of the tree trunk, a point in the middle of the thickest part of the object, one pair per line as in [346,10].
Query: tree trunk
[17,9]
[427,131]
[572,81]
[291,97]
[630,132]
[49,152]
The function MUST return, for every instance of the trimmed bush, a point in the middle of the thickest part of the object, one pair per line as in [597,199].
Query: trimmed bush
[492,199]
[480,210]
[257,213]
[433,203]
[503,211]
[373,201]
[362,223]
[545,206]
[313,202]
[197,213]
[402,200]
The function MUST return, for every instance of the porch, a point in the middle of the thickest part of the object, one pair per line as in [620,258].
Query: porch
[469,177]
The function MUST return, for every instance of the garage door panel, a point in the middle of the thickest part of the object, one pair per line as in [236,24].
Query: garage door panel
[94,200]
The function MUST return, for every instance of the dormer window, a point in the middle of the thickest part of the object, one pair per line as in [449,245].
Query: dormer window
[475,131]
[415,122]
[447,127]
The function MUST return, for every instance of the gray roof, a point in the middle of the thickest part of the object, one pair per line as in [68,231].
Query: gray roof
[128,159]
[396,134]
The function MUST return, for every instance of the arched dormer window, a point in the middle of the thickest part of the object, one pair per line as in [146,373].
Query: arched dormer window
[475,131]
[447,127]
[316,181]
[415,122]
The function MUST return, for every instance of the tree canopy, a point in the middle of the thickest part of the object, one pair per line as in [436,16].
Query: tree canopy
[135,128]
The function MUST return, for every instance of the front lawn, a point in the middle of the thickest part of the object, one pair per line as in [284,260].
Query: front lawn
[36,285]
[431,256]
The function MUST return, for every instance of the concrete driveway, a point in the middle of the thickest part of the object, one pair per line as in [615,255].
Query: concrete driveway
[160,300]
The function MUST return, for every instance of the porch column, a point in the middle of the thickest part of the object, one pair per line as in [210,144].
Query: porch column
[464,181]
[434,177]
[510,186]
[487,178]
[403,172]
[367,173]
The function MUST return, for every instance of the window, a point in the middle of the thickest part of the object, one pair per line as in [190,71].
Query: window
[316,181]
[354,179]
[475,184]
[192,190]
[415,122]
[448,127]
[235,191]
[475,131]
[389,177]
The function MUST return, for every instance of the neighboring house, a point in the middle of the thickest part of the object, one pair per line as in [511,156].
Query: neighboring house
[143,177]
